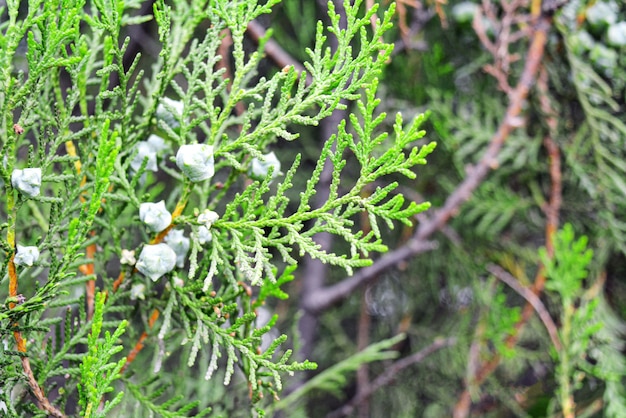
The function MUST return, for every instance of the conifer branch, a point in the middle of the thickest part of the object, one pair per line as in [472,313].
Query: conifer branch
[324,298]
[20,341]
[83,88]
[275,51]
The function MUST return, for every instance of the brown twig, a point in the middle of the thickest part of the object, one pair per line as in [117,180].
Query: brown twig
[532,299]
[323,298]
[441,12]
[88,268]
[554,156]
[505,36]
[20,342]
[390,374]
[363,340]
[421,16]
[44,403]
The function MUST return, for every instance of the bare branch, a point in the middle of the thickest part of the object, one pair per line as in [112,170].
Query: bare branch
[44,403]
[324,298]
[532,299]
[390,374]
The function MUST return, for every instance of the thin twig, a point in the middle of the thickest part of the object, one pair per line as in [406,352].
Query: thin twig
[44,403]
[554,155]
[532,299]
[323,298]
[88,268]
[363,340]
[139,345]
[390,374]
[505,36]
[363,330]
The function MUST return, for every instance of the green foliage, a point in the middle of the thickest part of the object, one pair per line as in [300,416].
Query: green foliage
[103,117]
[148,391]
[97,373]
[568,267]
[501,321]
[584,320]
[248,214]
[595,148]
[90,108]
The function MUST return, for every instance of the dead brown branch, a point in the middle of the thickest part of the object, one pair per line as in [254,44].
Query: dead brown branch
[505,34]
[44,403]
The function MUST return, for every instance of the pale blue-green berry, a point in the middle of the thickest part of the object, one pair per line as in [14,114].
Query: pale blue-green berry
[155,216]
[157,143]
[27,181]
[177,281]
[145,149]
[170,111]
[204,235]
[180,244]
[581,42]
[156,260]
[259,168]
[616,35]
[604,58]
[196,161]
[26,256]
[601,14]
[207,218]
